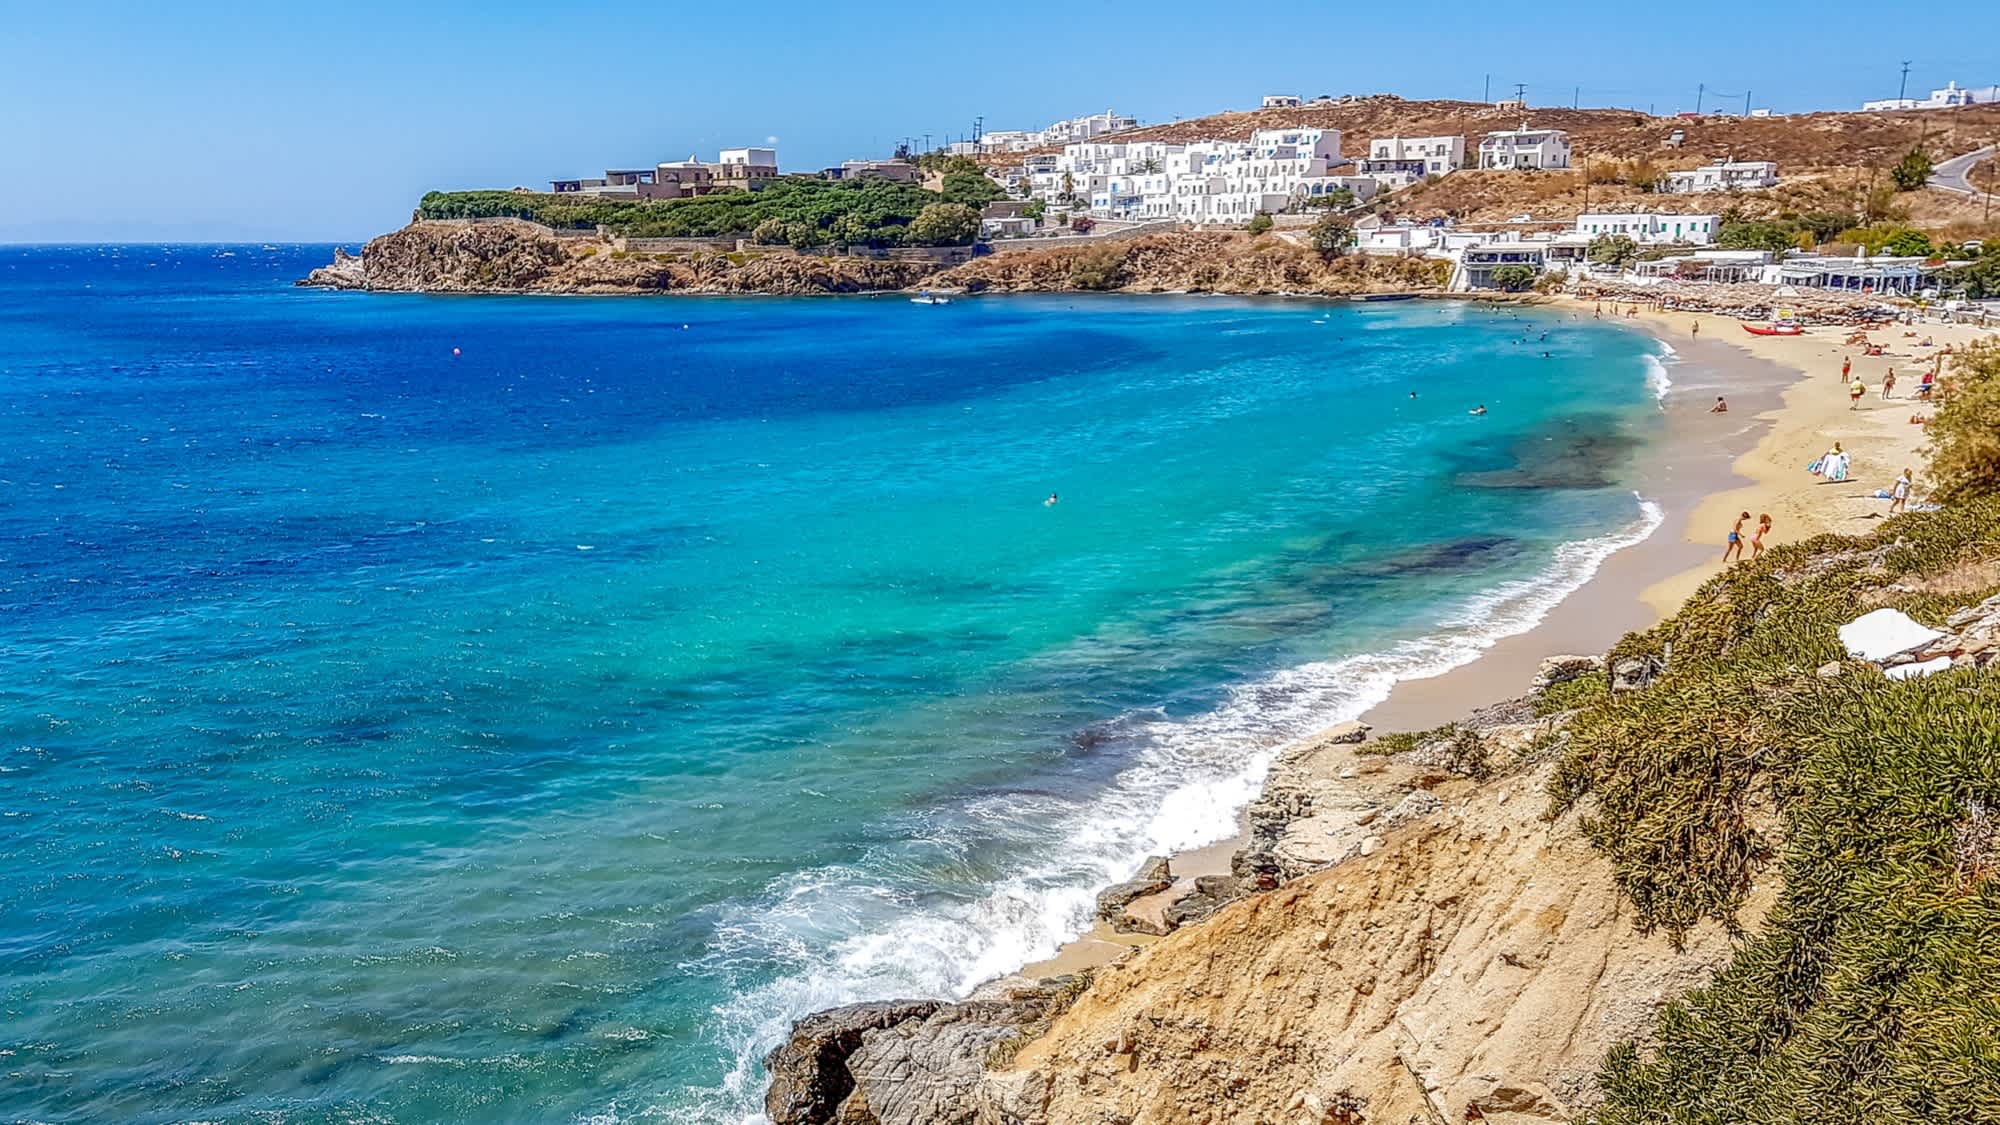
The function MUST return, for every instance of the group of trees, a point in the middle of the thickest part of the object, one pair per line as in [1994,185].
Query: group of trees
[795,210]
[1791,232]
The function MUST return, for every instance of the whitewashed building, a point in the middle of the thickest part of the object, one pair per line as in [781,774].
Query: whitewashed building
[1401,161]
[1281,101]
[1650,229]
[1203,182]
[1722,175]
[1950,97]
[1524,148]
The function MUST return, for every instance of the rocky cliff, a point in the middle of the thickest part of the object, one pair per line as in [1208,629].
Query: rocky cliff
[1433,951]
[518,257]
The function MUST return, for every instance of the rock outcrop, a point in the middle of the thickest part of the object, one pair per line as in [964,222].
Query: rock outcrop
[1433,950]
[906,1062]
[519,257]
[500,256]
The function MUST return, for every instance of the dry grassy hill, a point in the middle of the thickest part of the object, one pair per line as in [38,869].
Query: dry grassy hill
[1826,160]
[1798,140]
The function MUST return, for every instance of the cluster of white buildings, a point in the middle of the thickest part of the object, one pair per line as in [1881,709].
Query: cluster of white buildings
[1201,182]
[735,169]
[1950,97]
[1067,131]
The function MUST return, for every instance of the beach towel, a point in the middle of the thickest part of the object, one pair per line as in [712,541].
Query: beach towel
[1884,633]
[1814,467]
[1918,671]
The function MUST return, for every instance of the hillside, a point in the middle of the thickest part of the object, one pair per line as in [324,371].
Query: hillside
[1826,160]
[1794,141]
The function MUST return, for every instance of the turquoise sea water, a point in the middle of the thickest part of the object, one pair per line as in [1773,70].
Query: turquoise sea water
[529,734]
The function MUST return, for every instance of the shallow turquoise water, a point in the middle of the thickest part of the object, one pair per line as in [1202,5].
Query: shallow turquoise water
[530,734]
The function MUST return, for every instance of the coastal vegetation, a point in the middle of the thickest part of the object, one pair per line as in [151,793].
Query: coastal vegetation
[1512,278]
[1871,990]
[1911,172]
[871,211]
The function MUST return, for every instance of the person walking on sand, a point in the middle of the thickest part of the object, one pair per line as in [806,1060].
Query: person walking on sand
[1734,547]
[1854,392]
[1846,368]
[1899,493]
[1757,537]
[1833,465]
[1888,384]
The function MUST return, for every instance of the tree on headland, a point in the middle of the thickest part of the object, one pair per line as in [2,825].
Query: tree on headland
[1616,250]
[1331,235]
[944,224]
[1260,222]
[1890,238]
[1912,171]
[1513,278]
[849,230]
[770,232]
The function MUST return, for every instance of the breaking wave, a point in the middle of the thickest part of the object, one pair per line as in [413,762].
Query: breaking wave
[879,928]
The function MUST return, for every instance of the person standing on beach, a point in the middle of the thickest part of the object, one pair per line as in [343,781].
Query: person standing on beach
[1888,384]
[1735,545]
[1694,329]
[1899,493]
[1854,392]
[1757,537]
[1846,368]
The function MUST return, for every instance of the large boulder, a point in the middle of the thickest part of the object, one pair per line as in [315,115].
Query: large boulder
[809,1075]
[1154,876]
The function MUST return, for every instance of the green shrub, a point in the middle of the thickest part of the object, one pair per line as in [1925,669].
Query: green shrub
[1260,222]
[1965,430]
[1871,992]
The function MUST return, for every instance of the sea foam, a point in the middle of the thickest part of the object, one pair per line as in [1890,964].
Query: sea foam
[855,935]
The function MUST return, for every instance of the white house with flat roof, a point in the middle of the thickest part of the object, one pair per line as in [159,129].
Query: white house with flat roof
[1436,155]
[1524,148]
[1950,97]
[1281,101]
[1650,229]
[1722,175]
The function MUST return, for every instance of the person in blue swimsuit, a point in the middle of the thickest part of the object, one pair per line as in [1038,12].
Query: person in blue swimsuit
[1735,546]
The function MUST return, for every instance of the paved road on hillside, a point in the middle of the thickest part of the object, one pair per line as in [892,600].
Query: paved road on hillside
[1951,174]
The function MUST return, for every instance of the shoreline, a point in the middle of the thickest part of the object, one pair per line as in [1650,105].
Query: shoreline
[1702,468]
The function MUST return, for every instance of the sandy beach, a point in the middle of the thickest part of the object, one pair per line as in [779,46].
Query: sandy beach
[1787,405]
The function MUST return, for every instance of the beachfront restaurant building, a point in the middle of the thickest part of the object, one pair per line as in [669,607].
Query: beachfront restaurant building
[1650,229]
[1856,275]
[1479,262]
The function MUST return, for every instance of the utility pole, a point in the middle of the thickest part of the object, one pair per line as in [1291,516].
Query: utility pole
[1576,99]
[1486,95]
[1746,103]
[1521,92]
[1903,88]
[927,142]
[1700,89]
[979,128]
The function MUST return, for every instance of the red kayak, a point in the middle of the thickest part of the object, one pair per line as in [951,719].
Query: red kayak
[1780,329]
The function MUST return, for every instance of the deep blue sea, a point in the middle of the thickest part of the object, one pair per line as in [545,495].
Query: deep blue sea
[426,709]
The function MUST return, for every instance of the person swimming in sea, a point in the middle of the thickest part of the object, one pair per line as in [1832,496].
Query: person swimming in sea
[1052,501]
[1477,410]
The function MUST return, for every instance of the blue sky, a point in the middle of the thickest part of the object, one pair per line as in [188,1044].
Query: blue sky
[284,120]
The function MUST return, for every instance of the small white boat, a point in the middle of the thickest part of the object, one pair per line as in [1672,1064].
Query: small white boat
[929,298]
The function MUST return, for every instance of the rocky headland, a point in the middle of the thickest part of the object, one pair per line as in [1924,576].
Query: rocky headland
[445,256]
[1402,937]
